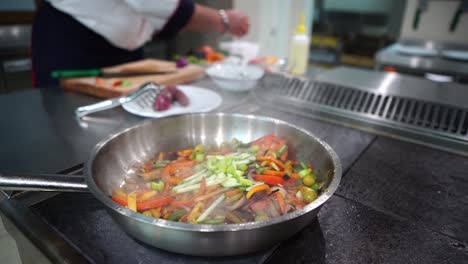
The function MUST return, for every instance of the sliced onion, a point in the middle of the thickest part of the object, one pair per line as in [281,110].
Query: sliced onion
[290,208]
[280,189]
[272,210]
[250,173]
[237,204]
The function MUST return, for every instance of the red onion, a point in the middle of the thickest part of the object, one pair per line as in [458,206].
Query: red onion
[250,173]
[182,98]
[181,62]
[162,102]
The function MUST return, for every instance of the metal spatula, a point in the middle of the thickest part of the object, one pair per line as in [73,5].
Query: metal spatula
[149,89]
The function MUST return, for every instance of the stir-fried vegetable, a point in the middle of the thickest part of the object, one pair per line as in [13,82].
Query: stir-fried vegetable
[234,183]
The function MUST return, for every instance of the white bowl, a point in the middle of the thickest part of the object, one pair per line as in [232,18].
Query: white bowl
[234,77]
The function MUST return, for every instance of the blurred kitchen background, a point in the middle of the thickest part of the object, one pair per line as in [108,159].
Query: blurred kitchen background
[423,38]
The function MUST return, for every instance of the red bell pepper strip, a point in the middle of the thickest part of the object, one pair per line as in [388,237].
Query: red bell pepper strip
[269,179]
[154,203]
[274,173]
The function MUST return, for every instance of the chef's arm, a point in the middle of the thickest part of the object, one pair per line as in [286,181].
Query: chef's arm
[172,16]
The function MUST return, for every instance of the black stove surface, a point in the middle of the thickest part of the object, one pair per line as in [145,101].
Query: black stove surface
[84,221]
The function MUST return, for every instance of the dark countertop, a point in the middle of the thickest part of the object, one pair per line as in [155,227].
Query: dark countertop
[397,203]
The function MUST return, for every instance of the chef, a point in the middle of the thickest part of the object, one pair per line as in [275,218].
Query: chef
[83,34]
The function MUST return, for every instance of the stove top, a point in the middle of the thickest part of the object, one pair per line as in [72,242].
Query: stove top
[84,222]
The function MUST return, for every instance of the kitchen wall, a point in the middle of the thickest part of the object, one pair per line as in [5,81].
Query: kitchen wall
[273,22]
[359,6]
[435,22]
[17,5]
[15,30]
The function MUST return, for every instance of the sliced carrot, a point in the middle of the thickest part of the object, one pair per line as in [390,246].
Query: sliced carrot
[202,187]
[258,188]
[274,173]
[184,153]
[182,203]
[233,192]
[154,202]
[295,175]
[184,163]
[281,202]
[174,180]
[120,199]
[166,172]
[284,156]
[185,173]
[167,187]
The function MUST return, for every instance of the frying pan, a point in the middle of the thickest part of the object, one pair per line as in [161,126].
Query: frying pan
[116,157]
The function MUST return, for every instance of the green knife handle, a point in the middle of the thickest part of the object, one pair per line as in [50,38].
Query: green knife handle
[76,73]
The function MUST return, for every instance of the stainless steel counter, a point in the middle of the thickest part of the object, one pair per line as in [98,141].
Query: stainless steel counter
[390,56]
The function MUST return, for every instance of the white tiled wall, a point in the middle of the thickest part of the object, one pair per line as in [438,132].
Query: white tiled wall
[435,22]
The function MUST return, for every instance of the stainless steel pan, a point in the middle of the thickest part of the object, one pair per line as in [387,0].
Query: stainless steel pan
[114,159]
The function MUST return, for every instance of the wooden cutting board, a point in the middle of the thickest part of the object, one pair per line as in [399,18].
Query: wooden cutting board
[104,87]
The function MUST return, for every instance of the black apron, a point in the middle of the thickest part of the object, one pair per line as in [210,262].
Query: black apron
[59,42]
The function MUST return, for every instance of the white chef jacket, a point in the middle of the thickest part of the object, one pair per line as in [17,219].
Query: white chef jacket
[127,24]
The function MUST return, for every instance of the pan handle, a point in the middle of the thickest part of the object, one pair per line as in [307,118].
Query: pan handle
[43,182]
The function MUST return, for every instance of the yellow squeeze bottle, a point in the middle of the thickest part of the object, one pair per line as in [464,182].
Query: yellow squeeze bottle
[299,52]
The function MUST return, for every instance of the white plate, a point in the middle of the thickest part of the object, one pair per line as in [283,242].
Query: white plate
[455,54]
[200,100]
[415,50]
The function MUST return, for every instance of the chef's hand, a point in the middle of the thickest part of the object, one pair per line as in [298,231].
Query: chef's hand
[238,22]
